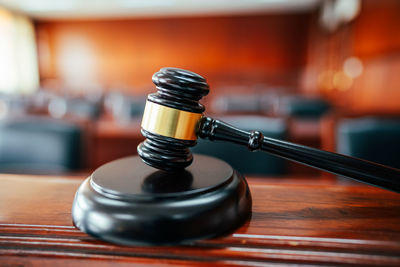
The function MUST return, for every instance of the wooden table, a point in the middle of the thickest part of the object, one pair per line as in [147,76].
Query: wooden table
[292,223]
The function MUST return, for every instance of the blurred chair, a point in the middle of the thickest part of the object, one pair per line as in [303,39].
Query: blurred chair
[374,139]
[124,108]
[301,107]
[13,104]
[136,106]
[240,157]
[84,109]
[236,103]
[39,145]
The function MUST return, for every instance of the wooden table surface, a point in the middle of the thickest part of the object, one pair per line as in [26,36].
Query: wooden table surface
[292,223]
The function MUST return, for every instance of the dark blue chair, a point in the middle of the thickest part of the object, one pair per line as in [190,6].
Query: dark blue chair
[301,107]
[136,107]
[239,157]
[374,139]
[39,145]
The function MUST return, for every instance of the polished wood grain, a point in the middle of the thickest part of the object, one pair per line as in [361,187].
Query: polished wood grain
[293,222]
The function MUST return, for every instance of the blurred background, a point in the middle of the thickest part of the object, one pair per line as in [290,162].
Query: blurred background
[74,76]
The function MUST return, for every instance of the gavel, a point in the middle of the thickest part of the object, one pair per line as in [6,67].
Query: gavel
[173,120]
[167,199]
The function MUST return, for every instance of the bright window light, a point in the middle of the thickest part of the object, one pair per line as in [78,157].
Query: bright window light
[18,64]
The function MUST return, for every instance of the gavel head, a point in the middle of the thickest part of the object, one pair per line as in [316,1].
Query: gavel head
[171,118]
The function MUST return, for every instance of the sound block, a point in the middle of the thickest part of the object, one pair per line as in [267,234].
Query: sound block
[130,203]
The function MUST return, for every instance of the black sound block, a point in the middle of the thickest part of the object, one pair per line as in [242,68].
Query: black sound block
[127,202]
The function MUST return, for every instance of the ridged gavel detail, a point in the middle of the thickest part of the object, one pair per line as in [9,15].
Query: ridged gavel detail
[178,89]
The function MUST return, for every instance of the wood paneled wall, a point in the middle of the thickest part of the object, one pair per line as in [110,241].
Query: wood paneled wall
[374,38]
[227,49]
[281,50]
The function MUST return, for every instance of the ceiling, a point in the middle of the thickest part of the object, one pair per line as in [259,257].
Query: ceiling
[91,9]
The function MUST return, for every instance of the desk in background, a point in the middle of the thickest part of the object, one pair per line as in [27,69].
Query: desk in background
[111,141]
[294,221]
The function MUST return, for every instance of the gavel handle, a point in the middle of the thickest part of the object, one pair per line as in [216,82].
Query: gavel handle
[354,168]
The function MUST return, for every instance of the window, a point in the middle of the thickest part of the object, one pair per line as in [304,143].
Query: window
[18,59]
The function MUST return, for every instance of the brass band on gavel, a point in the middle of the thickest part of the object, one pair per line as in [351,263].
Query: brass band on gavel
[170,122]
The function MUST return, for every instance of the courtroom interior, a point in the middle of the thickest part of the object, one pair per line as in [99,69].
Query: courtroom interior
[75,76]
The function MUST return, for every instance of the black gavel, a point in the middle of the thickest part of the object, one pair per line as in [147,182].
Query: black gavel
[127,202]
[173,119]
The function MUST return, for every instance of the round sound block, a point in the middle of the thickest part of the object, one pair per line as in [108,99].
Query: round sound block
[127,202]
